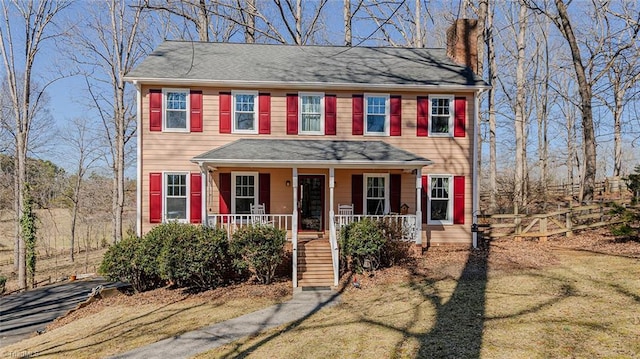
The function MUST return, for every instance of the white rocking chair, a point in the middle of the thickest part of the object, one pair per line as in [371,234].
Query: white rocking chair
[258,214]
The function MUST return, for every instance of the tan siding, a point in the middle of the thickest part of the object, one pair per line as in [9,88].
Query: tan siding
[164,151]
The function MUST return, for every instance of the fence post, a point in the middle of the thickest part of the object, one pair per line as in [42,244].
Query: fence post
[543,229]
[517,221]
[569,222]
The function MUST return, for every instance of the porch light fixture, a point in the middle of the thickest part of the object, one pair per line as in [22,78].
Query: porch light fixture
[288,183]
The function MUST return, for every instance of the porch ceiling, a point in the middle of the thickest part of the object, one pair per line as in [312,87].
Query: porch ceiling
[311,153]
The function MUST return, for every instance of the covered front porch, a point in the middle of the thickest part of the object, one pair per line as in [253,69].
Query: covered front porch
[299,185]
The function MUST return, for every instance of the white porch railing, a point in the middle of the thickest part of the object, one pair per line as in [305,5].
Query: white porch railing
[333,242]
[408,222]
[232,222]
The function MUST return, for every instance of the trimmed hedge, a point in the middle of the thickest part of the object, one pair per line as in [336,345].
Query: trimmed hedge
[259,249]
[371,244]
[172,253]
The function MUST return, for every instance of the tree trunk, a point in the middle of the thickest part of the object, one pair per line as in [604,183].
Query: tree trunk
[347,23]
[588,132]
[418,37]
[491,107]
[298,22]
[203,20]
[520,121]
[250,27]
[617,130]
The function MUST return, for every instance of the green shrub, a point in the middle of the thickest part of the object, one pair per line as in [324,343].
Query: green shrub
[395,249]
[259,249]
[133,260]
[196,257]
[363,242]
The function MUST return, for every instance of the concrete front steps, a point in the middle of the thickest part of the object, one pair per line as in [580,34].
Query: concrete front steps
[315,267]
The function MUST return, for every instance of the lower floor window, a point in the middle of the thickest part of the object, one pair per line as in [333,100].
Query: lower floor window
[244,192]
[176,196]
[376,194]
[440,205]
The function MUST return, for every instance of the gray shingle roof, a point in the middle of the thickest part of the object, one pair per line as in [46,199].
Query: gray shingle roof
[208,62]
[279,152]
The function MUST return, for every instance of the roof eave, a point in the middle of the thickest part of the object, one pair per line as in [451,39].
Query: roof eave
[299,85]
[312,163]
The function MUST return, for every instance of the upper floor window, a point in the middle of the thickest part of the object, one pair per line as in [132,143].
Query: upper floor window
[441,115]
[376,115]
[311,113]
[376,196]
[175,199]
[245,112]
[176,109]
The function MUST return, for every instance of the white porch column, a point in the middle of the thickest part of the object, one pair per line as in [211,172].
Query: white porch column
[332,184]
[419,206]
[294,228]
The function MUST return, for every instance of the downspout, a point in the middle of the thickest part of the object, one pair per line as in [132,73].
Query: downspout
[138,158]
[475,192]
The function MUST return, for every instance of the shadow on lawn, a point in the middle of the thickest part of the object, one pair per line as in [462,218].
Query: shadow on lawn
[457,332]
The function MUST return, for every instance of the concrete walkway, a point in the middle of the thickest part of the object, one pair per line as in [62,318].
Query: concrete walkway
[301,306]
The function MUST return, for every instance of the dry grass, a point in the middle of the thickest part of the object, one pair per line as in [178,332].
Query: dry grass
[517,300]
[53,246]
[121,323]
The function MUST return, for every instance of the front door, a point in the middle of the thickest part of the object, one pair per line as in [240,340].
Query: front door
[311,202]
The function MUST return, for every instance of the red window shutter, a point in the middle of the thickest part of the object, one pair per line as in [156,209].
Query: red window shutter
[224,187]
[155,197]
[264,191]
[422,122]
[195,202]
[395,120]
[425,196]
[395,192]
[155,110]
[458,200]
[225,112]
[357,115]
[356,193]
[195,101]
[460,117]
[292,114]
[264,114]
[330,114]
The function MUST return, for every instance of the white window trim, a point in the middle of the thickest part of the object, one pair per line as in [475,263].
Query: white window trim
[256,191]
[321,94]
[452,107]
[449,207]
[164,110]
[256,102]
[387,116]
[164,196]
[387,203]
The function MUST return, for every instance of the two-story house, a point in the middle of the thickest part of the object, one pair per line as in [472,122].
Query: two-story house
[224,128]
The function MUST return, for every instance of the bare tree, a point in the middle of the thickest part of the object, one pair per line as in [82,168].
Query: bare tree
[491,106]
[520,195]
[32,21]
[84,146]
[586,79]
[108,45]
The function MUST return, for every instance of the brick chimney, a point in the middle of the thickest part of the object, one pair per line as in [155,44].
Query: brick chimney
[462,43]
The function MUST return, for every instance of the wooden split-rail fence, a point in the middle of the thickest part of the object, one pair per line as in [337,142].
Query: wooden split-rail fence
[542,226]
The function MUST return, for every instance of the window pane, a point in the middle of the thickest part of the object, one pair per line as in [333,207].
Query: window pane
[244,121]
[375,123]
[243,205]
[244,102]
[176,208]
[176,119]
[375,206]
[439,209]
[176,101]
